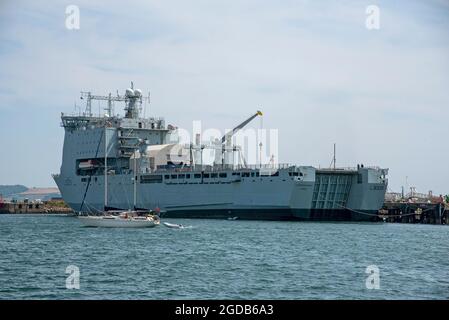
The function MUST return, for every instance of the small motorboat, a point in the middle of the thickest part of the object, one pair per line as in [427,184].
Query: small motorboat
[173,225]
[233,218]
[127,219]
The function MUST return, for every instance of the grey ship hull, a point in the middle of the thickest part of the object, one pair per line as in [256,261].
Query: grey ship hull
[281,197]
[277,214]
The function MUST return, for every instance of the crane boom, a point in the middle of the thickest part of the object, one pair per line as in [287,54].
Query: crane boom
[240,126]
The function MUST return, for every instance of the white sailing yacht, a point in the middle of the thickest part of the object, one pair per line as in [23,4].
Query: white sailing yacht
[120,219]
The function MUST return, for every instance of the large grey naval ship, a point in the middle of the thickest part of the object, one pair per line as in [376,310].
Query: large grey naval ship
[120,162]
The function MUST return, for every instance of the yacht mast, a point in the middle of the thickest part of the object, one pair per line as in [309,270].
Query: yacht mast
[135,180]
[105,167]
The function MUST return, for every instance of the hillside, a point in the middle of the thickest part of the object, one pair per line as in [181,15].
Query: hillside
[20,192]
[9,190]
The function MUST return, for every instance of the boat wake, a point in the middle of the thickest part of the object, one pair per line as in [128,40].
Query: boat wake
[176,226]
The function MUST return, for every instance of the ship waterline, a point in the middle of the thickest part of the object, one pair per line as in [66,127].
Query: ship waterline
[135,157]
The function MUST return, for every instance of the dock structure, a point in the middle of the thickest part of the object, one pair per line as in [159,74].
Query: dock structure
[52,206]
[415,212]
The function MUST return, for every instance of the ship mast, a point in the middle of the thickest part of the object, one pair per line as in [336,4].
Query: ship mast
[333,164]
[335,156]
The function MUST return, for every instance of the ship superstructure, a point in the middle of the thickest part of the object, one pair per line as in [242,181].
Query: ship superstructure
[132,152]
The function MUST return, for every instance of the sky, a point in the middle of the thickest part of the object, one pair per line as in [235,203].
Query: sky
[313,67]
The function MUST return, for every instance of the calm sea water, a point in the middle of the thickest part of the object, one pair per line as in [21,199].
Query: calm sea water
[220,259]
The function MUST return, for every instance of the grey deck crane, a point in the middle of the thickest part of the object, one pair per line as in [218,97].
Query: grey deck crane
[229,135]
[226,141]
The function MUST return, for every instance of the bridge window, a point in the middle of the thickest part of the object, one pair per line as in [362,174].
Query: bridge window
[223,175]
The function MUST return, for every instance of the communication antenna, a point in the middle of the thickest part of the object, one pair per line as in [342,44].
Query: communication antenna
[334,159]
[145,105]
[88,95]
[109,109]
[335,155]
[406,182]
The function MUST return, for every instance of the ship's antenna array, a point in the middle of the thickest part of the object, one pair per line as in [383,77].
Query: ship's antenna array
[88,96]
[133,99]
